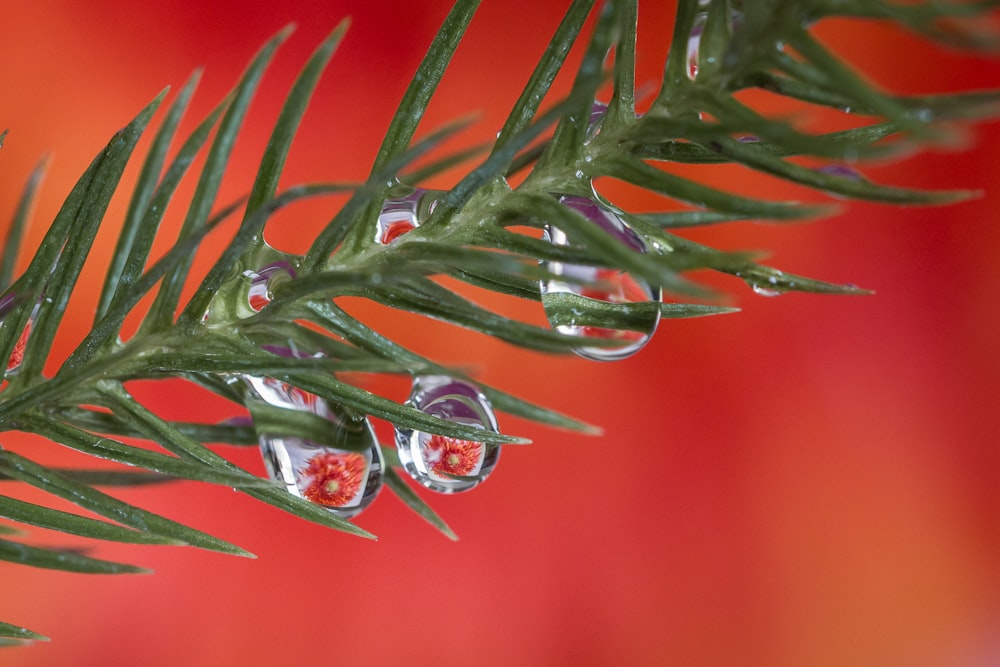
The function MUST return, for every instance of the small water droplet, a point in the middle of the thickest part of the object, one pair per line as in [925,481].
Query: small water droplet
[441,463]
[694,44]
[7,303]
[598,111]
[599,284]
[344,481]
[694,51]
[404,213]
[252,286]
[764,291]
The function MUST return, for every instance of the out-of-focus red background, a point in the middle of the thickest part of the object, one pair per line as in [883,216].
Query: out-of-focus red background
[813,481]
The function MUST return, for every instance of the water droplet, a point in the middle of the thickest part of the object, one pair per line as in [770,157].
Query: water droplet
[441,463]
[598,111]
[7,303]
[771,287]
[344,481]
[764,291]
[403,214]
[694,55]
[600,284]
[694,44]
[252,285]
[748,139]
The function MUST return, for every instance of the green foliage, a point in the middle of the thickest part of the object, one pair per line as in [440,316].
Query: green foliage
[475,234]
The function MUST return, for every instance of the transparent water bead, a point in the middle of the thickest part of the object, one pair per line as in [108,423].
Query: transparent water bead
[345,481]
[597,113]
[252,285]
[405,213]
[442,463]
[694,45]
[7,303]
[770,287]
[694,55]
[599,284]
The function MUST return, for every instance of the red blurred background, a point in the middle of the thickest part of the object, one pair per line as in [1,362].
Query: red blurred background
[813,481]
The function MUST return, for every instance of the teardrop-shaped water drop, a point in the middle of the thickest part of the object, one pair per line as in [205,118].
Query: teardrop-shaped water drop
[343,480]
[442,463]
[404,213]
[600,284]
[252,285]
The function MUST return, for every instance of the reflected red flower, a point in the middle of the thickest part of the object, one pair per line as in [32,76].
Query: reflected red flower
[395,230]
[454,456]
[17,355]
[336,478]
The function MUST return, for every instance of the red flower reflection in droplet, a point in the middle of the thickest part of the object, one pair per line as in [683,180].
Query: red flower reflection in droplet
[395,230]
[453,456]
[336,478]
[17,356]
[258,299]
[615,287]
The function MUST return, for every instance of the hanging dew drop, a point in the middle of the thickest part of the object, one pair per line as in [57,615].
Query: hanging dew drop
[343,480]
[764,291]
[442,463]
[772,288]
[598,285]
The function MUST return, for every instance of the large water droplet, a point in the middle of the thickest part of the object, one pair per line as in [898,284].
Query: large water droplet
[252,285]
[599,284]
[345,481]
[442,463]
[404,213]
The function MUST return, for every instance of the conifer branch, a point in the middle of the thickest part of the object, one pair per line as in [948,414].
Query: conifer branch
[265,329]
